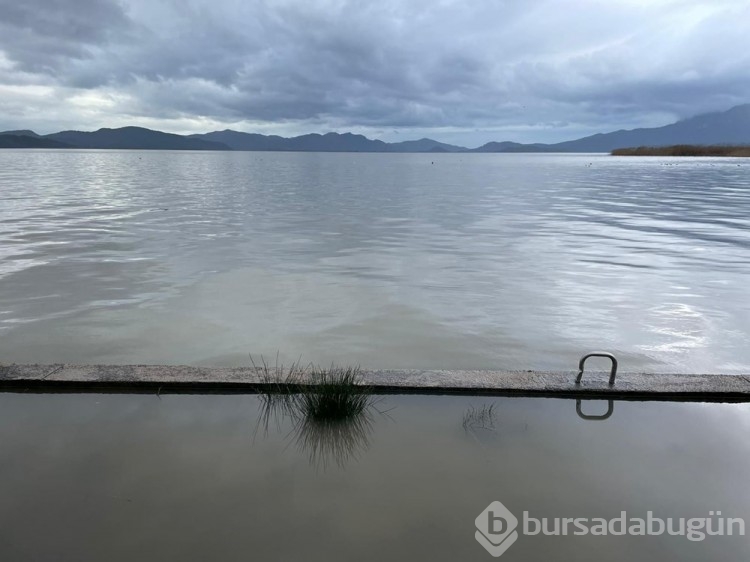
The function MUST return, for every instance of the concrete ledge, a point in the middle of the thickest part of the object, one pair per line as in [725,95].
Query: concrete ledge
[165,378]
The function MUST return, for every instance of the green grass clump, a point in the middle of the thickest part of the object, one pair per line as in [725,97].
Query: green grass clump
[334,416]
[330,410]
[334,394]
[278,399]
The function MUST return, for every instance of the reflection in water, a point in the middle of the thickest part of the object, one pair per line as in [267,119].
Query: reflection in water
[276,409]
[339,441]
[479,418]
[595,417]
[479,424]
[121,477]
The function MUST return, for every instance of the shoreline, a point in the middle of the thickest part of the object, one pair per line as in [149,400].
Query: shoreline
[685,150]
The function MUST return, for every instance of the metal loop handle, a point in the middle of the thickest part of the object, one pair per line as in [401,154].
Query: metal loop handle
[602,417]
[611,357]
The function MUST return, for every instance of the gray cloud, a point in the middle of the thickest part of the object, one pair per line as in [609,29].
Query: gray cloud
[47,35]
[471,71]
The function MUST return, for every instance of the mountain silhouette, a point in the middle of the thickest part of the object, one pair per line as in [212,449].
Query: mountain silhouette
[731,127]
[28,141]
[136,138]
[329,142]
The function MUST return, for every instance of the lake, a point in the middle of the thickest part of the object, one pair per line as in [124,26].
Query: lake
[380,260]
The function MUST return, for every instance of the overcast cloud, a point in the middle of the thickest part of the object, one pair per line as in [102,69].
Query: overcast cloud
[465,71]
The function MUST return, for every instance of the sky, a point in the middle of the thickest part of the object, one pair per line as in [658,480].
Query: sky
[459,71]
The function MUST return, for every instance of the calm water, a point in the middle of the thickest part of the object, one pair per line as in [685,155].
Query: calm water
[476,261]
[188,478]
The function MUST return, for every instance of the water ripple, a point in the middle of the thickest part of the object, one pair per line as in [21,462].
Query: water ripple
[525,260]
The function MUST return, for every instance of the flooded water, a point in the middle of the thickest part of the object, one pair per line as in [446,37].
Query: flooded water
[192,478]
[393,261]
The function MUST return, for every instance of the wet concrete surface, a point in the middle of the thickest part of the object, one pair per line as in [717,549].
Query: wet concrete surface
[166,378]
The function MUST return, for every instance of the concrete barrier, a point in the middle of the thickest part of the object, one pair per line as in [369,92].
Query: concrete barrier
[168,378]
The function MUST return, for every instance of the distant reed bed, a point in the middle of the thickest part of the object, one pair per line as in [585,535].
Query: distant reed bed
[684,150]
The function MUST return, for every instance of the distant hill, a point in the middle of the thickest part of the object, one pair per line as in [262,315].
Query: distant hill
[424,145]
[28,141]
[508,146]
[243,141]
[334,142]
[135,138]
[21,133]
[330,142]
[726,127]
[731,127]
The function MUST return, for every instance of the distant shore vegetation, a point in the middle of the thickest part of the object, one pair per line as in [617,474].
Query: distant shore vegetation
[684,150]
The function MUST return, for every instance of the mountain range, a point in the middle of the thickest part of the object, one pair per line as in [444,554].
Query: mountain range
[731,127]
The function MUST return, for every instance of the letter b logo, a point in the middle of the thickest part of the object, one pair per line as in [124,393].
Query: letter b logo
[496,525]
[496,528]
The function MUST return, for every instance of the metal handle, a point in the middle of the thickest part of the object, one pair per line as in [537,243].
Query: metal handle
[612,372]
[602,417]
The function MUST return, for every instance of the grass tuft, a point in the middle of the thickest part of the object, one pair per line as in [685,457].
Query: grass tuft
[330,409]
[278,400]
[334,394]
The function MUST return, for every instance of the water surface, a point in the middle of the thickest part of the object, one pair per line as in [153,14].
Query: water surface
[402,260]
[191,478]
